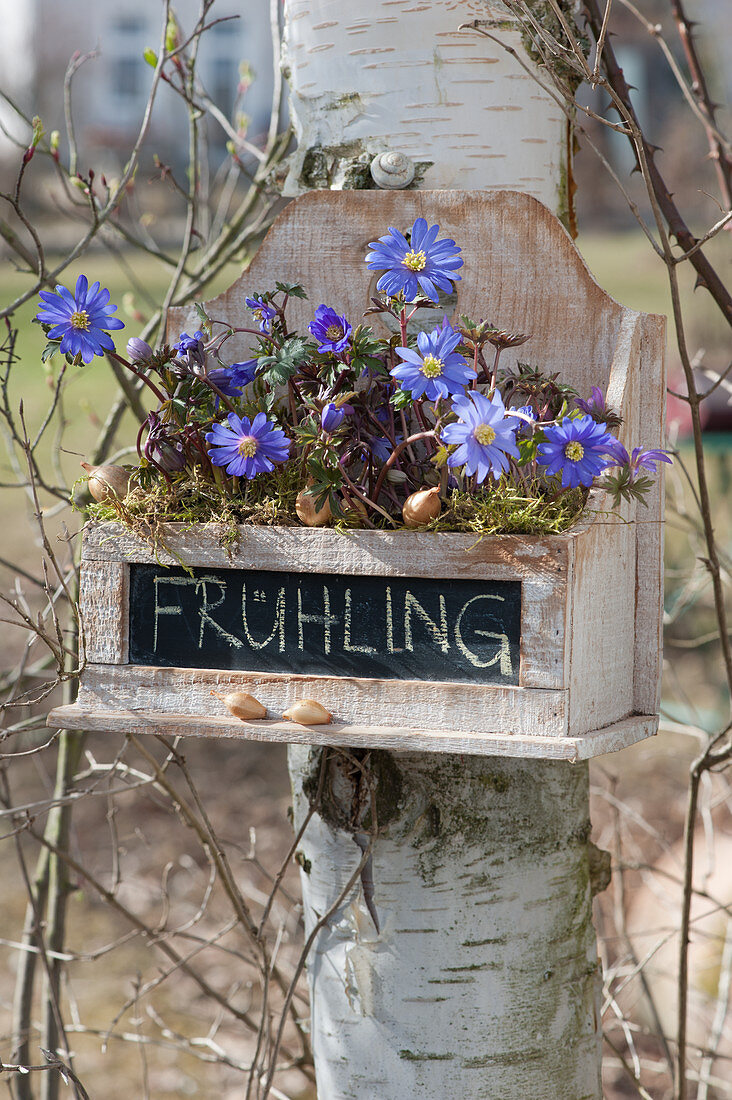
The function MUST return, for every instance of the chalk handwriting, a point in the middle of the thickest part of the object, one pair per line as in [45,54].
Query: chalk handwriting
[364,626]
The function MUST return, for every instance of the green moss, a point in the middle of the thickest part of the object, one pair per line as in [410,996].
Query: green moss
[311,778]
[472,966]
[338,799]
[324,165]
[314,173]
[582,833]
[564,208]
[504,509]
[269,500]
[498,783]
[501,941]
[357,174]
[459,791]
[266,501]
[510,1058]
[433,819]
[348,99]
[389,787]
[450,981]
[421,168]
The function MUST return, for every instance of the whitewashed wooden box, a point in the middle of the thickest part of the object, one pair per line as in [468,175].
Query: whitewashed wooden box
[590,638]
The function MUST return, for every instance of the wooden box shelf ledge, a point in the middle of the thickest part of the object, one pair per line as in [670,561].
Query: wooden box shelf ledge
[563,691]
[521,646]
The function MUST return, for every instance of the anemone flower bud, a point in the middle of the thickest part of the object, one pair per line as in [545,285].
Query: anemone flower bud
[169,456]
[160,448]
[331,417]
[525,416]
[138,350]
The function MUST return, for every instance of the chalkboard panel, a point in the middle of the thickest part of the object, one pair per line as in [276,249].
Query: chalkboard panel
[326,624]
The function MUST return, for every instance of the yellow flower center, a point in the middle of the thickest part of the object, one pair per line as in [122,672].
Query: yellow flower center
[247,447]
[431,366]
[80,319]
[484,434]
[334,332]
[415,261]
[574,451]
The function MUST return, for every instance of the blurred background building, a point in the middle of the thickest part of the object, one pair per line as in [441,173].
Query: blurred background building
[40,37]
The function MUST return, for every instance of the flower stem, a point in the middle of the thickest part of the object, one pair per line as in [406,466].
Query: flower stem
[494,372]
[138,374]
[222,396]
[362,496]
[395,454]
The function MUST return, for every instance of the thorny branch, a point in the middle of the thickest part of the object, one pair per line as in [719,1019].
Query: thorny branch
[559,52]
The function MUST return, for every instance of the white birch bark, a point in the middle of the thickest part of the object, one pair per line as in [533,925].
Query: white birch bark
[481,980]
[400,75]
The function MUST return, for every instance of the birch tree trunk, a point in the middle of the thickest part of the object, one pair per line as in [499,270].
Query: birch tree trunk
[399,75]
[464,964]
[482,978]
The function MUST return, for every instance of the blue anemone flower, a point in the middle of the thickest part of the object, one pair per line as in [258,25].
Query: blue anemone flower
[232,380]
[579,448]
[648,460]
[247,448]
[241,374]
[436,370]
[244,373]
[423,262]
[639,460]
[79,320]
[188,343]
[526,417]
[381,447]
[484,433]
[192,352]
[262,312]
[331,331]
[331,417]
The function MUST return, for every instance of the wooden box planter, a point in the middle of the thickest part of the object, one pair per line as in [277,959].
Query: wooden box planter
[383,628]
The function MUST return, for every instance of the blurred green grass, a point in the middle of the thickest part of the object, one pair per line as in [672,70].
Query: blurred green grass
[626,267]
